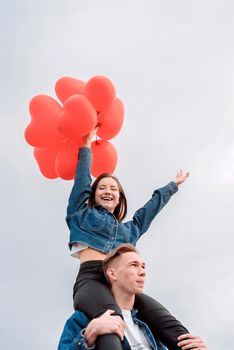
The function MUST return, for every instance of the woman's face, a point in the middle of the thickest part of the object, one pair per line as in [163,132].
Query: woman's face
[107,193]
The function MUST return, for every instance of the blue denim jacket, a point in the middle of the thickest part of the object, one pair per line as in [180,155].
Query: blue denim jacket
[97,227]
[72,337]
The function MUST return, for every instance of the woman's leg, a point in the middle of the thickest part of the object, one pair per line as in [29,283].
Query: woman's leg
[163,325]
[94,297]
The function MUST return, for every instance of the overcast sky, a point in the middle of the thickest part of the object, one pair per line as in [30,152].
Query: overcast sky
[172,64]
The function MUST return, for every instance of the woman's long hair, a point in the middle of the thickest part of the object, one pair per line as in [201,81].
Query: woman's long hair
[121,209]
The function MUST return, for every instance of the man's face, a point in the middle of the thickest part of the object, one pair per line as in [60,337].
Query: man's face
[129,273]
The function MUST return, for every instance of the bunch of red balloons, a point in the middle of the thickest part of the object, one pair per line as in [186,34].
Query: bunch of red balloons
[56,130]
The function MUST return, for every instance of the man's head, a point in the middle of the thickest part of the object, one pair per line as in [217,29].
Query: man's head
[125,270]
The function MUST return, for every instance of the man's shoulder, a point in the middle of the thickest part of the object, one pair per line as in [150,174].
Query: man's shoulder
[79,316]
[72,334]
[77,319]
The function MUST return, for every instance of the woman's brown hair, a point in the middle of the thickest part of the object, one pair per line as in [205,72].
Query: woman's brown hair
[121,209]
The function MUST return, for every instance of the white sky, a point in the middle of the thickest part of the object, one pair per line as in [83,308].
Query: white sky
[172,64]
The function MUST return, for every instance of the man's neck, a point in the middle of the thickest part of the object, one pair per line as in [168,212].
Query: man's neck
[124,300]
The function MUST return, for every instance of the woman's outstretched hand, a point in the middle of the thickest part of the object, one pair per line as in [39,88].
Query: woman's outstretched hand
[181,177]
[88,138]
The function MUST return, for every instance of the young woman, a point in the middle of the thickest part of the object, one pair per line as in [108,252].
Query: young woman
[94,217]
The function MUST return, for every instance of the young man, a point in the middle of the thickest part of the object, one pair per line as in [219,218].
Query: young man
[125,271]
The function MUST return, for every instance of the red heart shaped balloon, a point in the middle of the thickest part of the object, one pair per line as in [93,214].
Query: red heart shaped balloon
[43,128]
[67,158]
[68,86]
[45,158]
[104,158]
[78,117]
[110,121]
[100,91]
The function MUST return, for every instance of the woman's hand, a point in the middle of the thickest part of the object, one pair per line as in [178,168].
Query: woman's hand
[189,341]
[88,138]
[181,177]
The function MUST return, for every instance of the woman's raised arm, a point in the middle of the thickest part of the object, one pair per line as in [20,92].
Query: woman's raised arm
[81,189]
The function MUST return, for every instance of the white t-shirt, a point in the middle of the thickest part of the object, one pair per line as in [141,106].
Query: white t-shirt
[134,334]
[76,249]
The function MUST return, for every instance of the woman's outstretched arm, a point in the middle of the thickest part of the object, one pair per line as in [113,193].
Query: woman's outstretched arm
[145,215]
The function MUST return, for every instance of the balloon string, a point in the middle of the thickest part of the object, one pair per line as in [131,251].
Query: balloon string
[97,126]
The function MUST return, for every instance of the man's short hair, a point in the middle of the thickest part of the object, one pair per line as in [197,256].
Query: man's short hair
[120,250]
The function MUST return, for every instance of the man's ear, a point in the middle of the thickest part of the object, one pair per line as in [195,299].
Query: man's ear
[111,274]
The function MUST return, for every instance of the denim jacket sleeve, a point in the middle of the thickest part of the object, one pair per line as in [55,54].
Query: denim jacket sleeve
[72,337]
[144,216]
[81,189]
